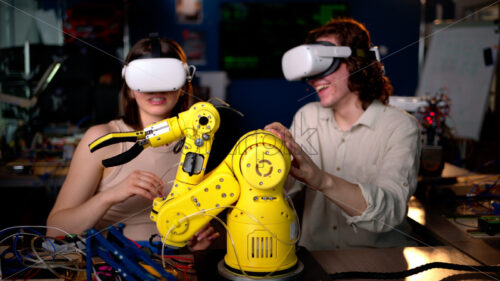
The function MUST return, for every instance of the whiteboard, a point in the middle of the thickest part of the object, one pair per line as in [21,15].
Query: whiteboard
[455,62]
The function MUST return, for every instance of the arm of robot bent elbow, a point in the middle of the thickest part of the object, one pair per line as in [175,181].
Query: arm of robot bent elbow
[179,217]
[191,203]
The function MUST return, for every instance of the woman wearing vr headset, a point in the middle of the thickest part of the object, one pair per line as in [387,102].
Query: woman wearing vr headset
[357,155]
[95,196]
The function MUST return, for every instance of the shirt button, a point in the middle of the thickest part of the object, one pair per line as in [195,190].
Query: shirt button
[343,140]
[334,227]
[338,168]
[405,184]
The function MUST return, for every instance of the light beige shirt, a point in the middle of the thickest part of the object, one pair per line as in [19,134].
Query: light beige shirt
[381,154]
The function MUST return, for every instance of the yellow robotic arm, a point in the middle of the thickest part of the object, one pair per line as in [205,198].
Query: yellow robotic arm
[261,226]
[197,125]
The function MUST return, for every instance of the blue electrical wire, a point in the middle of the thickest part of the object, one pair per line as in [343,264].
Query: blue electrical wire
[28,228]
[17,239]
[40,234]
[487,187]
[15,247]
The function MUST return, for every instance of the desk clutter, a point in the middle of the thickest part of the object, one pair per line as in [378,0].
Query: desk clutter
[472,204]
[28,254]
[478,226]
[46,156]
[476,207]
[467,198]
[31,174]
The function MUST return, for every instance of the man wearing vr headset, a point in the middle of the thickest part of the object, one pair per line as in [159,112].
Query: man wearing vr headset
[358,156]
[157,85]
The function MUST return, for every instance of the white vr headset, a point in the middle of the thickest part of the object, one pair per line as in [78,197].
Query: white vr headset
[311,61]
[157,74]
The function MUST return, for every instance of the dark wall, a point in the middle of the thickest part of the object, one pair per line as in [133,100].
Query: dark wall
[392,23]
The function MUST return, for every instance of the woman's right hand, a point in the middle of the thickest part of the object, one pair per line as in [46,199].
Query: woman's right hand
[142,183]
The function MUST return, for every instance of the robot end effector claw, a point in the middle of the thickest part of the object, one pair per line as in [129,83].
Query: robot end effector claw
[198,125]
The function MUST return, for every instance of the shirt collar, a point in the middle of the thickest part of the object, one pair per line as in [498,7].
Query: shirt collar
[325,113]
[370,115]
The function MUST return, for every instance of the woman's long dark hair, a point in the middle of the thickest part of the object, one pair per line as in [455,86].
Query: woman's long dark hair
[170,49]
[366,75]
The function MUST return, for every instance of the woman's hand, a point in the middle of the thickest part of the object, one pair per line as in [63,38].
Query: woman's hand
[141,183]
[203,238]
[302,168]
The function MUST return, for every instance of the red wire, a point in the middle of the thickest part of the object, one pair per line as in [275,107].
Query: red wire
[32,275]
[137,244]
[179,258]
[28,273]
[184,266]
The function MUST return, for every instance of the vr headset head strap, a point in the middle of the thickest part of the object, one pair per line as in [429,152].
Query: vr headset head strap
[366,53]
[156,53]
[155,45]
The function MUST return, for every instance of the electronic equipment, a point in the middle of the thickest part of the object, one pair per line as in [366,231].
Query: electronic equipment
[311,61]
[262,228]
[431,113]
[157,74]
[489,224]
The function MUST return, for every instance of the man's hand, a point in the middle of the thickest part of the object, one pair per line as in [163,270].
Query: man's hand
[302,168]
[203,238]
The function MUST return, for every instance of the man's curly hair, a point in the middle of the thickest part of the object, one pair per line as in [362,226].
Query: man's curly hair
[366,74]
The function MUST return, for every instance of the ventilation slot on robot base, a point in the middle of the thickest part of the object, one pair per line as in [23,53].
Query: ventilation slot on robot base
[262,247]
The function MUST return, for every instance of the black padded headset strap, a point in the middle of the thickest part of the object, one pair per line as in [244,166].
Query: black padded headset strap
[155,45]
[364,53]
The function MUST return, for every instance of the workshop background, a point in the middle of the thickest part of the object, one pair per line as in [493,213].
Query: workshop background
[60,72]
